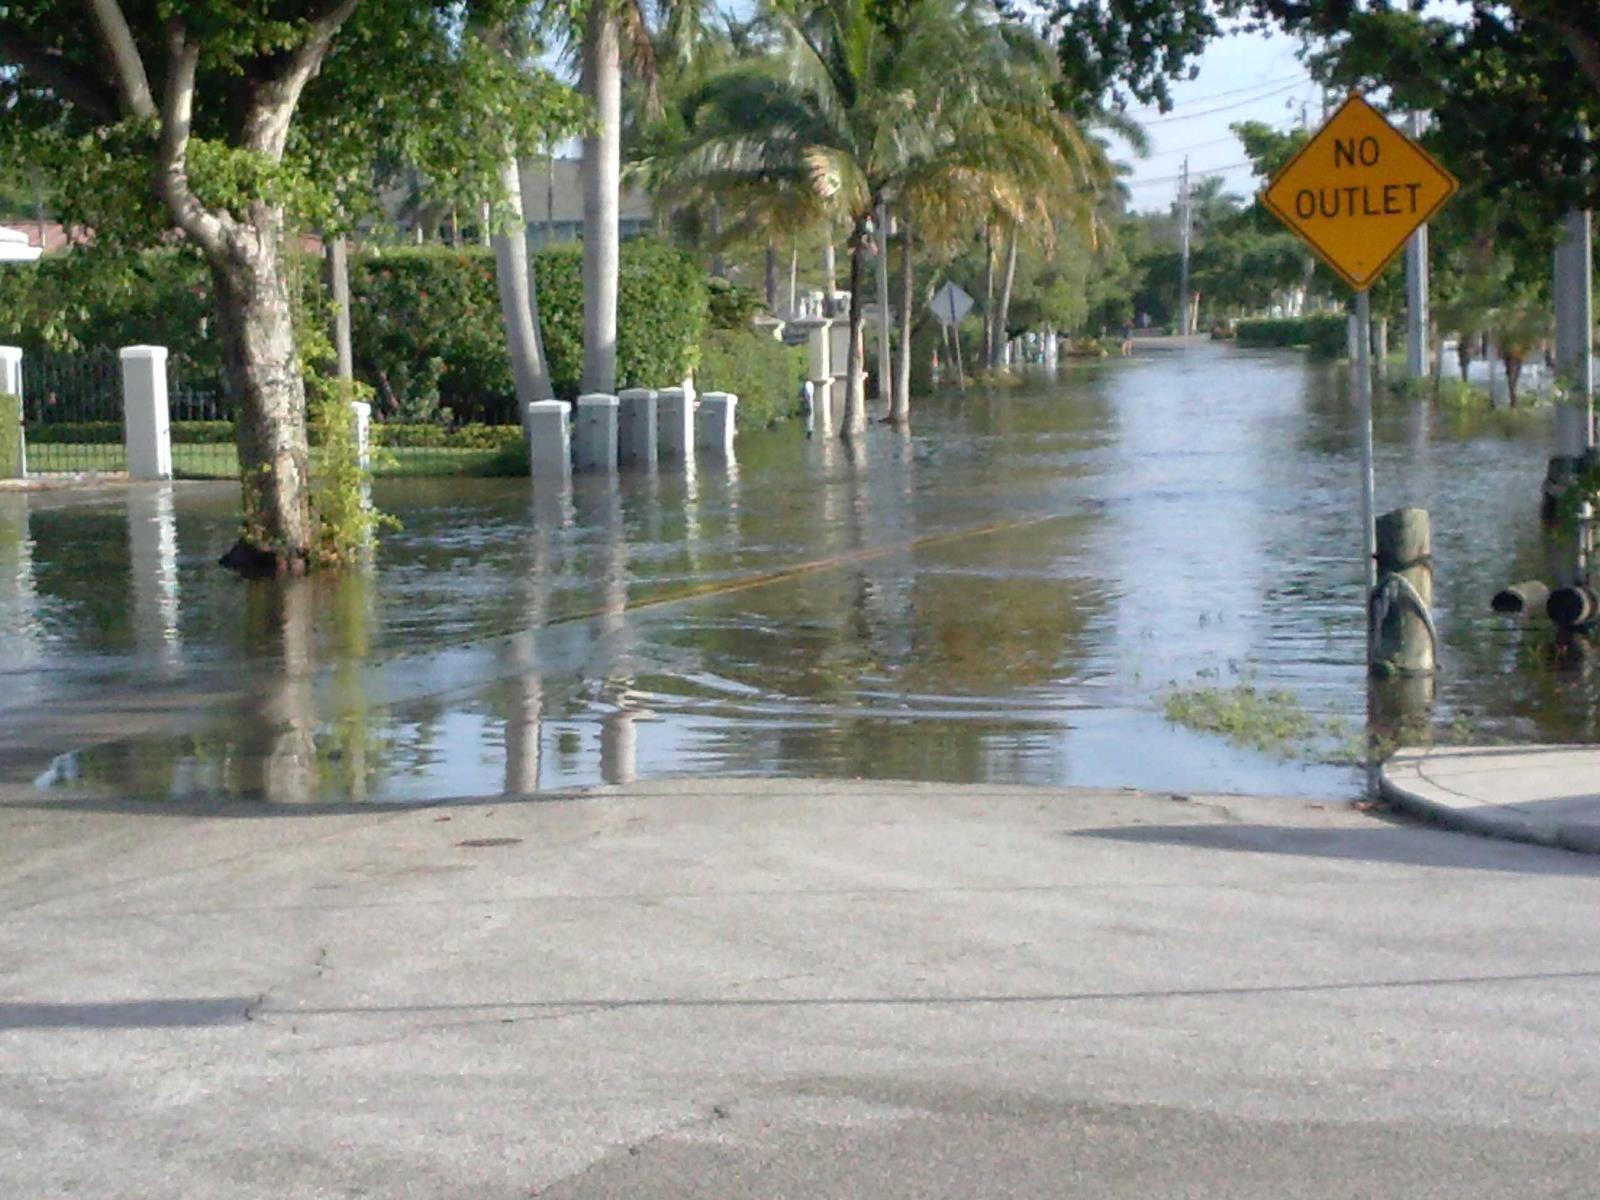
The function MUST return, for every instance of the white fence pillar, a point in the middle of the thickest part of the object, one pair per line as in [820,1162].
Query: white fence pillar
[636,427]
[596,447]
[549,439]
[714,422]
[675,417]
[13,455]
[146,419]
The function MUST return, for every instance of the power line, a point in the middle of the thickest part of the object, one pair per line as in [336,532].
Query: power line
[1222,170]
[1228,139]
[1265,83]
[1207,112]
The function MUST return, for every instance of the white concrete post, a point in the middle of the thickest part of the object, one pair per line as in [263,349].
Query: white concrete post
[146,420]
[549,440]
[637,427]
[361,414]
[595,448]
[819,370]
[13,464]
[714,422]
[674,423]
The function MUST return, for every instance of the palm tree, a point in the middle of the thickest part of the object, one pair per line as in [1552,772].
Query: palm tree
[843,116]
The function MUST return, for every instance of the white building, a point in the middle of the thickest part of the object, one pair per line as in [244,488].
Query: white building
[14,246]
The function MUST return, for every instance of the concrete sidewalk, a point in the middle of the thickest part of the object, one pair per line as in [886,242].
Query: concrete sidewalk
[1548,795]
[777,989]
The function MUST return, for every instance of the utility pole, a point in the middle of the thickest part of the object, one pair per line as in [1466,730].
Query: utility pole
[1417,291]
[1183,244]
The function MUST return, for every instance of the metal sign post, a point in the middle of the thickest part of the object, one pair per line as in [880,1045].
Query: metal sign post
[951,304]
[1363,382]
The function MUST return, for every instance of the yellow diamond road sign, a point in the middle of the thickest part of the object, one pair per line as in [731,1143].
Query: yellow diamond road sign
[1358,190]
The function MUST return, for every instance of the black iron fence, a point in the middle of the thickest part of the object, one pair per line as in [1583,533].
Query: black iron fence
[72,419]
[72,412]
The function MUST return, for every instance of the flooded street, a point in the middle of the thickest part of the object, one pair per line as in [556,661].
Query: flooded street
[1008,595]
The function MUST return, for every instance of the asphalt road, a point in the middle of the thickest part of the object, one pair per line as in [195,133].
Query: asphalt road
[785,989]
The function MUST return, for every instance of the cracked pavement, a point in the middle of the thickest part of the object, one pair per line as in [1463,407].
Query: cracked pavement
[791,989]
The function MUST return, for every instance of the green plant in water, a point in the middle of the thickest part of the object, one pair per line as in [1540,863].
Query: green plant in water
[1271,721]
[345,522]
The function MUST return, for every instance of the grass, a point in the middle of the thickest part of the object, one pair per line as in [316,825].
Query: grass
[221,461]
[1270,721]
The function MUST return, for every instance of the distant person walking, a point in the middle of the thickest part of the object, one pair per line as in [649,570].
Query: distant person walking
[808,396]
[1127,341]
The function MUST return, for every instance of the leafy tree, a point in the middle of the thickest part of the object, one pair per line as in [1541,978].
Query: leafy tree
[232,125]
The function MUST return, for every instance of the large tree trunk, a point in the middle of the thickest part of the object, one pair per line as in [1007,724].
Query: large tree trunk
[830,266]
[602,194]
[900,414]
[855,390]
[1003,315]
[261,375]
[519,302]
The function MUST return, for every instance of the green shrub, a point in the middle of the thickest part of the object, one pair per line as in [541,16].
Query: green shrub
[764,373]
[732,305]
[398,435]
[1323,335]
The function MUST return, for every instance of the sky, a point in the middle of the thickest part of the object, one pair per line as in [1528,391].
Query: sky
[1246,77]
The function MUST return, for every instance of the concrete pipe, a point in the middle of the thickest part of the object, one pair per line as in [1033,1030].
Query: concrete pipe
[1529,596]
[1572,607]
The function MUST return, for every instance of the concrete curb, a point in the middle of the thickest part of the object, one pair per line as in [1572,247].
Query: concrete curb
[1399,778]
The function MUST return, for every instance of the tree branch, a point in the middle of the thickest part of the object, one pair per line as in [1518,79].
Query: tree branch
[208,229]
[272,106]
[51,69]
[133,85]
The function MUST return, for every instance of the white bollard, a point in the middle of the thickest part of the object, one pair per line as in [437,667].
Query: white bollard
[675,422]
[595,447]
[714,422]
[636,427]
[13,458]
[146,419]
[549,439]
[361,414]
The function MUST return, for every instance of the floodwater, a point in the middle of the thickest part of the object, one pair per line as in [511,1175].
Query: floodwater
[1009,595]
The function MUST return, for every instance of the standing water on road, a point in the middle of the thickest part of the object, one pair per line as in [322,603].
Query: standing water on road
[1013,594]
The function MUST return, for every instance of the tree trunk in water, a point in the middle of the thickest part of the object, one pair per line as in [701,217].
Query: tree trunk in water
[719,268]
[602,188]
[855,391]
[770,280]
[885,317]
[1513,365]
[519,302]
[900,414]
[261,375]
[988,296]
[1003,316]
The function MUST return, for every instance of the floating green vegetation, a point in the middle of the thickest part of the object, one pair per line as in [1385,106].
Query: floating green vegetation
[1269,720]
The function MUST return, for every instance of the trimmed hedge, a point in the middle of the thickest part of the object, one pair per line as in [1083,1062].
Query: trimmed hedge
[425,320]
[399,435]
[1323,335]
[426,326]
[764,373]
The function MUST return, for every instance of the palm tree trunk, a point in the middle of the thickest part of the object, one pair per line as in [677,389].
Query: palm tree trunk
[988,296]
[719,268]
[519,301]
[830,267]
[770,277]
[794,277]
[900,414]
[885,317]
[602,193]
[855,391]
[1003,316]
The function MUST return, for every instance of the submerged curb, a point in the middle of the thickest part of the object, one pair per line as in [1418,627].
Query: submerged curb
[1404,784]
